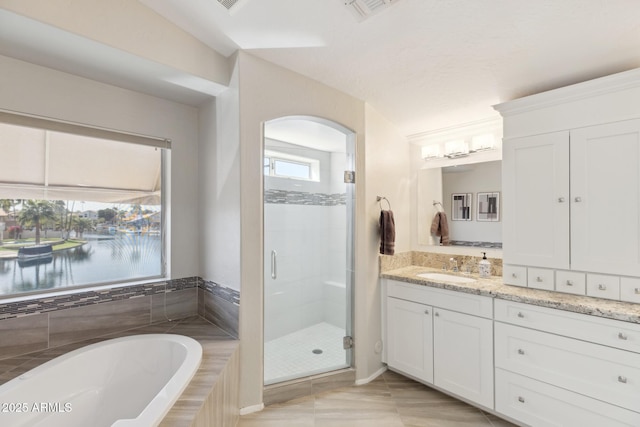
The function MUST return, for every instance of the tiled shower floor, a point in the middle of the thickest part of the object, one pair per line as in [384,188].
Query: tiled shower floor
[291,356]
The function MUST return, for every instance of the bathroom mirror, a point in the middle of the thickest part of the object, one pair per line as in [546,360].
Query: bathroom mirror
[436,190]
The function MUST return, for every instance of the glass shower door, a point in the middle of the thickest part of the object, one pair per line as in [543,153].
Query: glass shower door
[307,243]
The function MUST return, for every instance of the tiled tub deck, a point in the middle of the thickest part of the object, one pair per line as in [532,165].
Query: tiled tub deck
[210,399]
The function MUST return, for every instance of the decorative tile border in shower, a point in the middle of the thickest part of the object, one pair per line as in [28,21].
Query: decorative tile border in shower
[44,303]
[304,198]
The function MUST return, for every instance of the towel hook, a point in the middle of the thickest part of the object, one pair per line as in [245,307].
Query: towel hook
[435,203]
[379,199]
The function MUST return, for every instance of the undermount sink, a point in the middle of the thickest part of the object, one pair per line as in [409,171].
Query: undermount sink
[446,277]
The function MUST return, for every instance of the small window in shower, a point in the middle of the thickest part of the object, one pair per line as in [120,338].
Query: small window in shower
[284,165]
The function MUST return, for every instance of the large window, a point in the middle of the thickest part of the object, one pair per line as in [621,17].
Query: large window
[78,210]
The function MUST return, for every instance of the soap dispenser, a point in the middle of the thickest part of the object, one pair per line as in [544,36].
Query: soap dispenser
[484,266]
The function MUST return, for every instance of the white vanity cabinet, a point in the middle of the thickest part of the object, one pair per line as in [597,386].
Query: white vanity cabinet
[571,182]
[535,185]
[410,338]
[463,355]
[441,337]
[575,211]
[555,368]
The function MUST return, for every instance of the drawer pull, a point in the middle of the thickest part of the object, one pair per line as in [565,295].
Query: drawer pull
[602,287]
[622,379]
[520,351]
[514,275]
[622,336]
[521,315]
[561,199]
[520,399]
[578,199]
[539,279]
[637,291]
[569,283]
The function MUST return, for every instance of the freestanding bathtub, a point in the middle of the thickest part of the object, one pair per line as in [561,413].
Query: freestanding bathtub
[123,382]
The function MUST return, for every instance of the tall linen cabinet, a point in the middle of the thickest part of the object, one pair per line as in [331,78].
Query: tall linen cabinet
[571,188]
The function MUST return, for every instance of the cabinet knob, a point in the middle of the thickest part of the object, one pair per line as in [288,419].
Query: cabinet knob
[520,314]
[437,314]
[560,199]
[520,351]
[539,279]
[636,291]
[569,283]
[426,312]
[622,336]
[602,287]
[578,199]
[622,379]
[514,275]
[520,399]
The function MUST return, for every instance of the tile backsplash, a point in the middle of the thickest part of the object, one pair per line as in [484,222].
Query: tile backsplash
[49,321]
[436,260]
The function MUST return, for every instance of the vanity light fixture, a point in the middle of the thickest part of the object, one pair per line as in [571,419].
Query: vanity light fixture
[483,142]
[456,148]
[430,152]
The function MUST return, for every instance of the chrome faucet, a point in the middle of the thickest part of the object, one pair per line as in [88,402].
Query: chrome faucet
[454,264]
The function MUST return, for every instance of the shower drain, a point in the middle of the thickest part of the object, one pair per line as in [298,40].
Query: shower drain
[316,351]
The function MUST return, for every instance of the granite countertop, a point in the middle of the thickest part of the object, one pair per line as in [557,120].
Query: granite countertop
[495,288]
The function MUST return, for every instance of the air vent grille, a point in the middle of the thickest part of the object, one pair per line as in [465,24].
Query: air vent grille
[362,9]
[228,3]
[231,5]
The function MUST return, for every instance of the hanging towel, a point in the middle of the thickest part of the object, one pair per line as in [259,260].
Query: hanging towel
[440,227]
[387,232]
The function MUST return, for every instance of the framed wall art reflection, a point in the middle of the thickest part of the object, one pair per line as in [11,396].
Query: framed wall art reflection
[488,208]
[461,206]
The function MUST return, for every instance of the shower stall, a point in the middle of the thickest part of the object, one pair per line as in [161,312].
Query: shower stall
[308,247]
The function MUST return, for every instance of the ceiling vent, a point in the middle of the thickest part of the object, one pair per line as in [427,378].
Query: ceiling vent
[231,5]
[362,9]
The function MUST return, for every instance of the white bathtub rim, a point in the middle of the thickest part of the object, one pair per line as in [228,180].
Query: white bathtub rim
[171,391]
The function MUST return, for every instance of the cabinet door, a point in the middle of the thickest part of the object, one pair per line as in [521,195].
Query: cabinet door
[410,338]
[463,355]
[605,198]
[536,200]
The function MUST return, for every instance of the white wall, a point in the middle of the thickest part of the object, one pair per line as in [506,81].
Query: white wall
[131,27]
[219,188]
[387,174]
[31,89]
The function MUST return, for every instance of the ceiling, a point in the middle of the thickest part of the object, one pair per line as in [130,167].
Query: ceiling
[426,64]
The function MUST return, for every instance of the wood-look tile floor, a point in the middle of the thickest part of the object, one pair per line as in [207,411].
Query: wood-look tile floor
[391,400]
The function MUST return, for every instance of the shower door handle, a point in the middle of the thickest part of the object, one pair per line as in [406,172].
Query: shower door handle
[274,265]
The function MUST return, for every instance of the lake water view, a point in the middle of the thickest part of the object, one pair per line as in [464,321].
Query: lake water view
[103,259]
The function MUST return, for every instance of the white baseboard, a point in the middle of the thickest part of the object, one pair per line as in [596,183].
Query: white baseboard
[251,409]
[371,377]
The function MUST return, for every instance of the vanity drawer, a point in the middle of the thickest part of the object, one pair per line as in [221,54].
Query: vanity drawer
[571,282]
[630,289]
[596,371]
[475,305]
[514,275]
[603,286]
[538,404]
[609,332]
[540,278]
